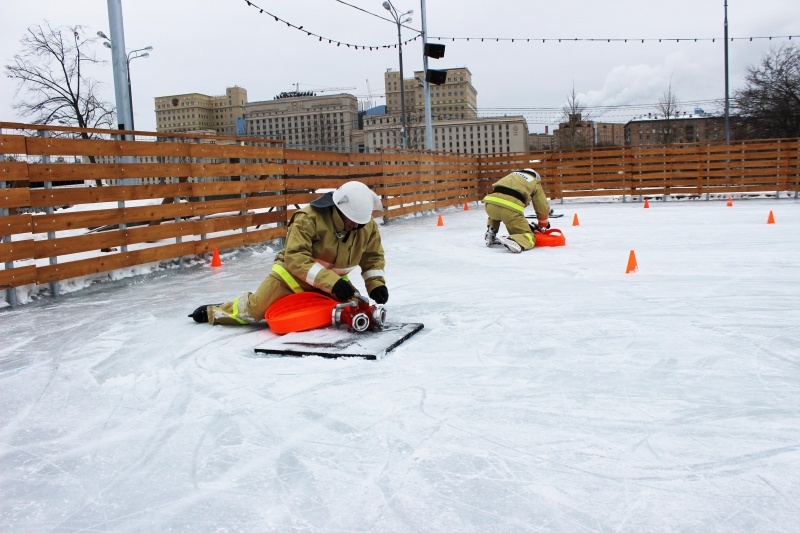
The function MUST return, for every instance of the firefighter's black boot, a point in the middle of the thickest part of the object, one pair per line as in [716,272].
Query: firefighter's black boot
[201,314]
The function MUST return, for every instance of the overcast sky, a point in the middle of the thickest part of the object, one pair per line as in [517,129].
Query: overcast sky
[207,45]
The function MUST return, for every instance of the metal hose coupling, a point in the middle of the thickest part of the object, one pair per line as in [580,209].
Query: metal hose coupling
[358,315]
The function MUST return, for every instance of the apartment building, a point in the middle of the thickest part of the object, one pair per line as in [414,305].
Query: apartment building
[541,141]
[303,120]
[456,98]
[467,136]
[684,128]
[576,134]
[195,112]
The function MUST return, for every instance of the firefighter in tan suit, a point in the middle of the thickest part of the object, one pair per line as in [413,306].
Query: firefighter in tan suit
[506,204]
[324,242]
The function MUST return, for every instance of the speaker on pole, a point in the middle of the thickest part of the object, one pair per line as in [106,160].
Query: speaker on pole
[433,50]
[436,77]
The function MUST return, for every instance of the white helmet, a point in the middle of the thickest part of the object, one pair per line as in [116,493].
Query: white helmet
[356,201]
[532,172]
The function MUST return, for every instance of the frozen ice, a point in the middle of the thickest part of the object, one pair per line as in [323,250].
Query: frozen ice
[548,391]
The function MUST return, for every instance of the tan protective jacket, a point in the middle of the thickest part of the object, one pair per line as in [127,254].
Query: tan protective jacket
[320,251]
[529,188]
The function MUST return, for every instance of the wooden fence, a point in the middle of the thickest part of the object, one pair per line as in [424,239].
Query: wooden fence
[165,198]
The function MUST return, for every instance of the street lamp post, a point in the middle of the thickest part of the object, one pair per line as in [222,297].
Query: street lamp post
[400,19]
[133,54]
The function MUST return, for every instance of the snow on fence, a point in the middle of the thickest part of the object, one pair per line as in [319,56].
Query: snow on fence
[72,206]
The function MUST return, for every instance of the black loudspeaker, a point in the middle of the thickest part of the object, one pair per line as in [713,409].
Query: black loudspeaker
[436,77]
[433,50]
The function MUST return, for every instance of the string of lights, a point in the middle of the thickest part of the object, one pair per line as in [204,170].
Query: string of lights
[330,41]
[608,40]
[513,39]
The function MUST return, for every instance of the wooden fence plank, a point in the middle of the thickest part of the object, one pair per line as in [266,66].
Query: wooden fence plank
[16,250]
[108,239]
[59,172]
[12,145]
[15,197]
[111,261]
[217,188]
[11,171]
[59,196]
[104,148]
[17,277]
[15,224]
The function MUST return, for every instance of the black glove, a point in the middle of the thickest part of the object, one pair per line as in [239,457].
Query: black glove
[380,294]
[342,290]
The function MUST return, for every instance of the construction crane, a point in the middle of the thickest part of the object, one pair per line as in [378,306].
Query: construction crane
[322,90]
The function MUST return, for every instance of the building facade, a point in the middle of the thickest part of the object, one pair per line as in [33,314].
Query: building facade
[576,134]
[541,141]
[488,135]
[454,114]
[609,134]
[456,98]
[196,112]
[652,130]
[305,121]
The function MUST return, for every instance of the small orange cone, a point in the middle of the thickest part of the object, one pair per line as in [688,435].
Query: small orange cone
[466,206]
[440,222]
[215,261]
[632,265]
[771,218]
[730,201]
[575,220]
[646,204]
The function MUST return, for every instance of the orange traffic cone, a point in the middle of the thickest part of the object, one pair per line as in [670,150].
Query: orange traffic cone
[215,260]
[466,206]
[771,218]
[632,265]
[730,201]
[646,204]
[440,222]
[575,220]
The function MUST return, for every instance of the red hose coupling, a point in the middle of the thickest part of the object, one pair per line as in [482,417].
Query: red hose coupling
[358,315]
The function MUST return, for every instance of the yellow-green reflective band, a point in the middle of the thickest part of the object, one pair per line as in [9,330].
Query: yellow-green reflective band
[504,203]
[286,277]
[235,314]
[529,236]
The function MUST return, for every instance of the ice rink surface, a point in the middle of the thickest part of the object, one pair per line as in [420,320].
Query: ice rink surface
[549,390]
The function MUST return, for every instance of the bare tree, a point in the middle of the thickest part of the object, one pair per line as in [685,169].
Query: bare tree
[769,105]
[415,131]
[573,133]
[668,130]
[53,87]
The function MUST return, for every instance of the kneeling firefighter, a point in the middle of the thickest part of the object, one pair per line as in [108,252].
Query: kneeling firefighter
[324,242]
[506,204]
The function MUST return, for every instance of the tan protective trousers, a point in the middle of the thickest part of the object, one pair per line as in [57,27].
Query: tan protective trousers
[249,308]
[515,222]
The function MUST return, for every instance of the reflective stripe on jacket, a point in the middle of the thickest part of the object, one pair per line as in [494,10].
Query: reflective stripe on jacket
[505,203]
[528,187]
[318,251]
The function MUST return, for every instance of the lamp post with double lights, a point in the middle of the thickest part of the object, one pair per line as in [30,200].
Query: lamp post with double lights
[400,19]
[133,54]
